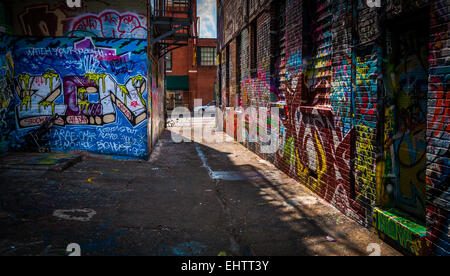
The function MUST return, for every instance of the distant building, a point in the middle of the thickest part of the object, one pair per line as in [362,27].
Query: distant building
[191,73]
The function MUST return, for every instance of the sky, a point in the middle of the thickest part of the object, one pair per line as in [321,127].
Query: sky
[206,10]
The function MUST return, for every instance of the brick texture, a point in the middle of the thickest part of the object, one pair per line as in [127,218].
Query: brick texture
[351,95]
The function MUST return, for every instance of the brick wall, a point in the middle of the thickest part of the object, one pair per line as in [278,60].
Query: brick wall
[350,96]
[206,76]
[438,167]
[54,18]
[201,78]
[95,60]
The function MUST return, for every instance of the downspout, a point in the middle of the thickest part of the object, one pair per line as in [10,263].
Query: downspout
[381,109]
[150,78]
[354,18]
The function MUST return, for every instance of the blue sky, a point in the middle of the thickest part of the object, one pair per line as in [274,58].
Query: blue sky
[207,11]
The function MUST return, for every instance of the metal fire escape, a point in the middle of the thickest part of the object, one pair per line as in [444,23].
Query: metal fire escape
[172,24]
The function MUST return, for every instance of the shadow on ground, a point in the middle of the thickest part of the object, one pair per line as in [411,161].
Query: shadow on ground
[190,199]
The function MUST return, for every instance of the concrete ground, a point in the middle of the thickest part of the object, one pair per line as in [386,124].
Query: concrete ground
[190,199]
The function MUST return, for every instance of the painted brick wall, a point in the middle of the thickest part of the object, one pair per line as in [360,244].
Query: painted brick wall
[337,129]
[6,91]
[90,65]
[102,110]
[111,18]
[438,167]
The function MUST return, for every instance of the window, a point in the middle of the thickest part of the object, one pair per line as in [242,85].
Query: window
[168,61]
[207,56]
[317,53]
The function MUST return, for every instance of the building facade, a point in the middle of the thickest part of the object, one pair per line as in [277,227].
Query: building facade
[91,65]
[191,73]
[362,93]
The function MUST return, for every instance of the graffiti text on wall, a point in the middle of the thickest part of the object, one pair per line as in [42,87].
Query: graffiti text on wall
[110,24]
[101,99]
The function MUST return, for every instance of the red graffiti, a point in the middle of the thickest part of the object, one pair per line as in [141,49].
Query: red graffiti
[111,24]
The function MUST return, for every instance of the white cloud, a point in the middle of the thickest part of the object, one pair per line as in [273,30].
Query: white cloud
[206,10]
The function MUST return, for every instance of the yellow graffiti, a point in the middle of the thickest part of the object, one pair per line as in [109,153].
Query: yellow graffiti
[139,81]
[48,76]
[4,101]
[46,104]
[125,92]
[8,69]
[365,162]
[96,78]
[362,70]
[82,91]
[303,172]
[324,162]
[25,78]
[416,247]
[26,102]
[84,105]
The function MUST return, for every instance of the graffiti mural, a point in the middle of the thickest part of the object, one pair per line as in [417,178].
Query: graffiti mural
[400,228]
[102,104]
[57,20]
[6,98]
[110,24]
[364,94]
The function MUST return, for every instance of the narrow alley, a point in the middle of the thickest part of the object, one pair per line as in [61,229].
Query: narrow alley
[224,128]
[190,199]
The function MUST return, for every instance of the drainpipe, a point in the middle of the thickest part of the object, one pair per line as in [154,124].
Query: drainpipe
[150,78]
[354,19]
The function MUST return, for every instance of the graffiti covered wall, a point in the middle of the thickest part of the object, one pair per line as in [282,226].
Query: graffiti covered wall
[6,94]
[97,86]
[363,105]
[438,132]
[94,18]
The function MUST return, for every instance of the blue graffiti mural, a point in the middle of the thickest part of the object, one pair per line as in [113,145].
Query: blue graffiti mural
[97,86]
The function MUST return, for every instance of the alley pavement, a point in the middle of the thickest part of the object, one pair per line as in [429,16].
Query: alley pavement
[190,199]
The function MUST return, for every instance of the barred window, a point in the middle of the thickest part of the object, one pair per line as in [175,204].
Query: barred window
[207,56]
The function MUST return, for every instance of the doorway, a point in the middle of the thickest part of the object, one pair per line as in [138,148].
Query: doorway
[405,75]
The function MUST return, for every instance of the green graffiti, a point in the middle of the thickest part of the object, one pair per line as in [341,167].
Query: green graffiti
[289,149]
[400,227]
